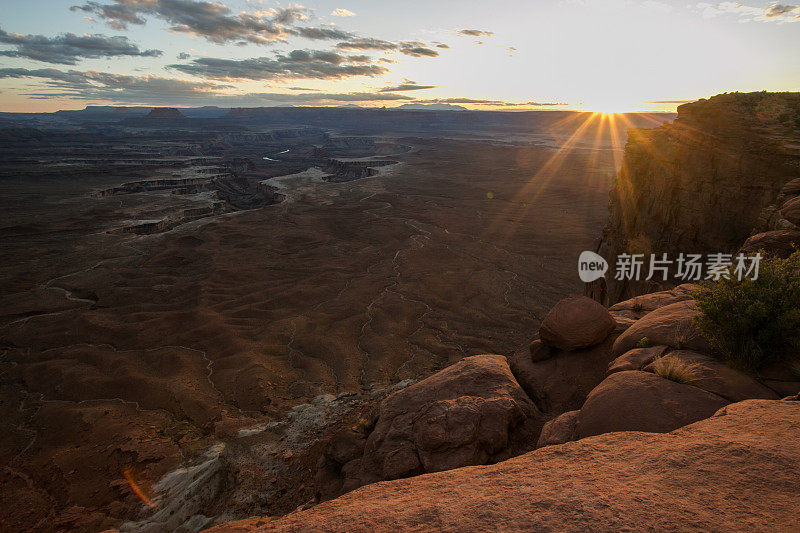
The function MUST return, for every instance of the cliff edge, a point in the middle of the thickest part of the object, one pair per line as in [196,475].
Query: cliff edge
[702,184]
[737,470]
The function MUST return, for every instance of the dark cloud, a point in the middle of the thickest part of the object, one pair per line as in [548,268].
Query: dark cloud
[327,97]
[367,43]
[104,86]
[411,48]
[475,33]
[442,45]
[93,85]
[407,85]
[68,48]
[297,64]
[777,10]
[321,34]
[184,55]
[214,21]
[416,49]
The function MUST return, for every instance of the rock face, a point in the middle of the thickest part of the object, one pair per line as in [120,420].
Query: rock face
[640,401]
[559,430]
[470,413]
[781,243]
[636,359]
[720,379]
[576,322]
[564,380]
[670,325]
[732,472]
[702,184]
[791,211]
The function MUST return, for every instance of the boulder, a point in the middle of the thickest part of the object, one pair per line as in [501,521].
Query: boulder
[639,401]
[635,359]
[737,471]
[576,322]
[559,430]
[539,351]
[779,243]
[562,382]
[782,377]
[467,414]
[670,325]
[720,379]
[635,308]
[792,188]
[791,211]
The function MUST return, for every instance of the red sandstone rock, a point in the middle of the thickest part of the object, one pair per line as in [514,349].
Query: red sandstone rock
[562,382]
[576,322]
[720,379]
[735,471]
[559,430]
[791,211]
[670,325]
[792,188]
[466,414]
[639,306]
[635,359]
[640,401]
[779,242]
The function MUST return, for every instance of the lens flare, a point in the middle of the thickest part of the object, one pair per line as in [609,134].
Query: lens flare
[136,489]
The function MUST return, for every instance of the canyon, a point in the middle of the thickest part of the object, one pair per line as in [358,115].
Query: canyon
[286,314]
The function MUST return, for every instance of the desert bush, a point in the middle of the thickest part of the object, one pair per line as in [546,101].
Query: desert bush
[365,425]
[644,342]
[752,323]
[676,370]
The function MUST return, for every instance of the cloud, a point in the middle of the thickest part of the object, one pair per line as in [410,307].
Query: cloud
[320,98]
[297,64]
[494,103]
[475,33]
[94,85]
[214,21]
[184,55]
[410,48]
[367,43]
[68,48]
[778,10]
[339,12]
[416,49]
[779,13]
[407,85]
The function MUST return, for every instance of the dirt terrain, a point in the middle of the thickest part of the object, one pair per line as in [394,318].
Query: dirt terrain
[125,355]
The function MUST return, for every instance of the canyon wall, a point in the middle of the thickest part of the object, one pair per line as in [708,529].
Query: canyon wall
[702,184]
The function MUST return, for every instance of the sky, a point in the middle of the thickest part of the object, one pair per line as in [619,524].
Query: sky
[595,55]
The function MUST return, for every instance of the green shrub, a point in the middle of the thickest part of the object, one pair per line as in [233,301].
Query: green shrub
[644,342]
[752,323]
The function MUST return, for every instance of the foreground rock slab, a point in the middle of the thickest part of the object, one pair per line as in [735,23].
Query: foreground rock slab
[735,471]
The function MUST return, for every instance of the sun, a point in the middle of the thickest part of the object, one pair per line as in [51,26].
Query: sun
[608,106]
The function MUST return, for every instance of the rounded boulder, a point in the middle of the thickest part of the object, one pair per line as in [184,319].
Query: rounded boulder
[576,322]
